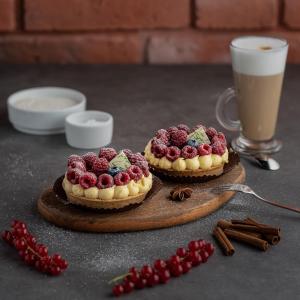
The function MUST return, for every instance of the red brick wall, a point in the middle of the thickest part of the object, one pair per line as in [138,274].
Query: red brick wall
[139,31]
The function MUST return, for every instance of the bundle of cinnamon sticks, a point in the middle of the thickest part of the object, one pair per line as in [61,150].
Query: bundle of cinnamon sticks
[248,231]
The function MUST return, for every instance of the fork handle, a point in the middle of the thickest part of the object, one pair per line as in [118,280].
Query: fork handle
[295,209]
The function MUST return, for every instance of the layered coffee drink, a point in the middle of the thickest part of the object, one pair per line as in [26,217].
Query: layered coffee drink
[258,67]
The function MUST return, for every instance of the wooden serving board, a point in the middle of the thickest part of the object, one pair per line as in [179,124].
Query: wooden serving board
[157,211]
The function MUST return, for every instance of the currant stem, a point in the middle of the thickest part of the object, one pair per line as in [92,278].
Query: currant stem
[119,278]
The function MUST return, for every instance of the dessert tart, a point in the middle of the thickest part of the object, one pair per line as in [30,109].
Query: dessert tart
[109,180]
[183,154]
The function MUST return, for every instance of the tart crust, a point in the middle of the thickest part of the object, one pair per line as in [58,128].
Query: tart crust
[213,171]
[106,204]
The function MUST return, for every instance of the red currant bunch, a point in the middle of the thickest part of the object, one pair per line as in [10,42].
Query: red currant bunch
[178,264]
[31,252]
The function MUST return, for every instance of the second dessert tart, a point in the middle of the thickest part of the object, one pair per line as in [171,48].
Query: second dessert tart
[184,153]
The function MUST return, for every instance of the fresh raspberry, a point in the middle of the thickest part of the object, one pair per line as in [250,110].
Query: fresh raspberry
[75,157]
[163,135]
[108,153]
[89,159]
[159,150]
[184,127]
[178,138]
[134,158]
[173,153]
[143,165]
[204,149]
[127,152]
[211,132]
[135,173]
[218,147]
[155,141]
[73,175]
[77,165]
[198,126]
[171,130]
[105,181]
[88,180]
[189,152]
[219,137]
[122,178]
[100,166]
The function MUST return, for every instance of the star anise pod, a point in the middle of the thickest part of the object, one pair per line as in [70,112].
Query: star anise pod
[180,193]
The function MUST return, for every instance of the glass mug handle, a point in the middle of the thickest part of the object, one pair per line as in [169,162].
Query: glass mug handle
[223,119]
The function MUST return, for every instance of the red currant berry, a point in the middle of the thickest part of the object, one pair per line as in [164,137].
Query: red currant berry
[194,257]
[146,271]
[133,270]
[128,286]
[160,264]
[202,243]
[186,266]
[164,276]
[153,280]
[134,277]
[62,264]
[20,244]
[118,290]
[45,264]
[42,250]
[8,237]
[30,258]
[31,241]
[181,252]
[204,255]
[20,232]
[55,270]
[14,223]
[209,248]
[56,258]
[141,283]
[194,245]
[174,260]
[18,224]
[23,253]
[176,270]
[39,265]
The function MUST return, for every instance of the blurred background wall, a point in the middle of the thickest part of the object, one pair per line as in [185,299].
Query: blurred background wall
[139,31]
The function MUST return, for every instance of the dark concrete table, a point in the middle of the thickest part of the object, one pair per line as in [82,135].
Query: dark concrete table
[143,99]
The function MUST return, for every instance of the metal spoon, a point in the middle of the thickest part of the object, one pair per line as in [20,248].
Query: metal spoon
[266,162]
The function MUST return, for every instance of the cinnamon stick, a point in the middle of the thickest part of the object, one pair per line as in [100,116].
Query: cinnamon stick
[248,239]
[255,234]
[224,242]
[249,227]
[271,238]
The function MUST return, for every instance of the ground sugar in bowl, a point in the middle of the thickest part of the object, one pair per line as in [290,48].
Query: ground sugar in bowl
[43,110]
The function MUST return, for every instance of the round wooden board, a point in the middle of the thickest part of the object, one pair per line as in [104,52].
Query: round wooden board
[157,211]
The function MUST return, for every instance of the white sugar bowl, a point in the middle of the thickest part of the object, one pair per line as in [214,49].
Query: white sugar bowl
[89,129]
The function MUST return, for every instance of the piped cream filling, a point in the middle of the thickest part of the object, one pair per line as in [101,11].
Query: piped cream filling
[115,192]
[180,164]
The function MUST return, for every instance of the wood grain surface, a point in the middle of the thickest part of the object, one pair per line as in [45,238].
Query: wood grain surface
[157,210]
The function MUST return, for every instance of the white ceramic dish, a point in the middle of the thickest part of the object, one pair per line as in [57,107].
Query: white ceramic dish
[89,129]
[40,120]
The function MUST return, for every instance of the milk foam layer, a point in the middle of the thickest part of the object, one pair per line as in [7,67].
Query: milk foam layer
[248,58]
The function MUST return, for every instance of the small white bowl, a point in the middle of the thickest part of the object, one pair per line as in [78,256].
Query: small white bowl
[89,129]
[43,110]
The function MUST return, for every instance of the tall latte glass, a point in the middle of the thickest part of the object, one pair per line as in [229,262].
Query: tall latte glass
[258,67]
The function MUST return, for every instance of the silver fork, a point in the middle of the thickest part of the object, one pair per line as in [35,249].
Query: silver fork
[247,190]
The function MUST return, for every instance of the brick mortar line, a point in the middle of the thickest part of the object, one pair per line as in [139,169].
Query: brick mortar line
[279,29]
